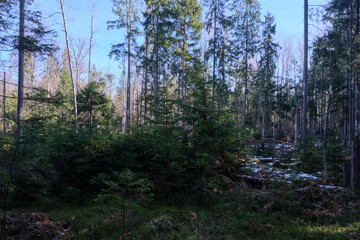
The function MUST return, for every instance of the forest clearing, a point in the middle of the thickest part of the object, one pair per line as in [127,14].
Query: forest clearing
[179,119]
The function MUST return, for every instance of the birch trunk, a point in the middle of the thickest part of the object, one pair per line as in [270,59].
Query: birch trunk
[70,67]
[90,45]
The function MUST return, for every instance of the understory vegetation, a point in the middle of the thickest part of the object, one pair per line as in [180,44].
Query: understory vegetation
[276,211]
[211,128]
[70,190]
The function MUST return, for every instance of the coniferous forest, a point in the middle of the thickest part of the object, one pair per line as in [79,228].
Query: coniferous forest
[216,128]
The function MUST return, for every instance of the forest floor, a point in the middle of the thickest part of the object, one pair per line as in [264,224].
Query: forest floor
[276,211]
[268,199]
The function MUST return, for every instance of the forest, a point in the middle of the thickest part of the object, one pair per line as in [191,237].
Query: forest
[216,128]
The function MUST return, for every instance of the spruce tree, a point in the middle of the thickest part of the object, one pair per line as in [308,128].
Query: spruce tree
[215,141]
[128,13]
[218,24]
[188,27]
[244,42]
[266,72]
[95,106]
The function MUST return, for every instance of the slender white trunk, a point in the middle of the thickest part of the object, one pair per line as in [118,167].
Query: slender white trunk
[90,45]
[70,67]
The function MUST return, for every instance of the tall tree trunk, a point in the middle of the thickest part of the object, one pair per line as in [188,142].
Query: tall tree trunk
[351,135]
[322,105]
[305,72]
[146,74]
[347,92]
[263,120]
[329,106]
[128,84]
[315,101]
[356,72]
[4,104]
[70,67]
[123,119]
[325,173]
[214,54]
[140,116]
[156,81]
[183,87]
[296,126]
[179,83]
[246,61]
[77,79]
[355,163]
[90,44]
[20,108]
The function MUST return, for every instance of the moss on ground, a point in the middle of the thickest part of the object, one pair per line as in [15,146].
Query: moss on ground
[275,212]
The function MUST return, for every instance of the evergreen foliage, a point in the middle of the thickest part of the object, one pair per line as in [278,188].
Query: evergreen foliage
[196,90]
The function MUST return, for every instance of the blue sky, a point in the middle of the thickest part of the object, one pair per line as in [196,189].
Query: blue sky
[288,17]
[78,15]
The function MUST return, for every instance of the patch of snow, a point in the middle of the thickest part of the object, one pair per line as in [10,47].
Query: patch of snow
[287,175]
[305,175]
[330,187]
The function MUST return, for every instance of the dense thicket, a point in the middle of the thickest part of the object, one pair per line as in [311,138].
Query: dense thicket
[192,95]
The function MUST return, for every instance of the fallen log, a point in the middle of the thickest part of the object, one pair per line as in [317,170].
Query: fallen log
[260,182]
